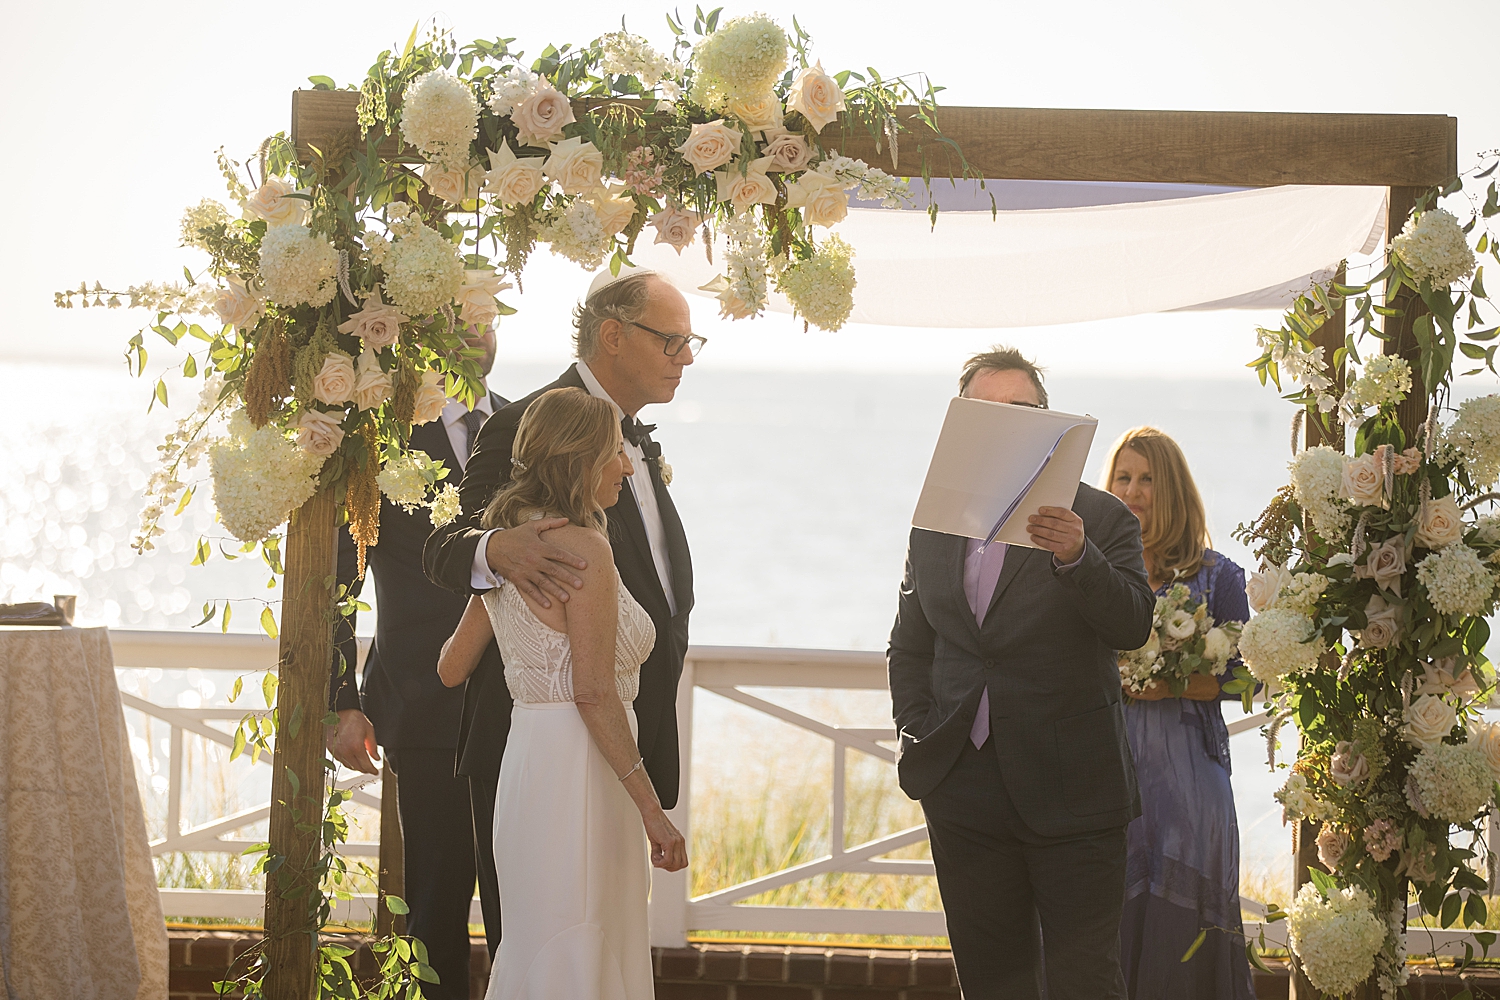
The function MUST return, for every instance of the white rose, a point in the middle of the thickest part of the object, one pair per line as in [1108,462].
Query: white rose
[237,307]
[430,398]
[675,227]
[614,212]
[1181,625]
[1428,720]
[789,152]
[710,145]
[1363,482]
[816,96]
[575,165]
[372,386]
[759,113]
[750,188]
[541,115]
[511,180]
[1442,523]
[1383,623]
[476,298]
[334,382]
[1486,737]
[1264,587]
[319,433]
[377,324]
[822,199]
[270,202]
[1218,646]
[453,184]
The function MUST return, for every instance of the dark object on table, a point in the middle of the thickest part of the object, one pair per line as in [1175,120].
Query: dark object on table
[66,605]
[31,613]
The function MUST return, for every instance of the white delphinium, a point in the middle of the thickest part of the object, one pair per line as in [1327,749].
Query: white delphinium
[577,234]
[183,449]
[440,116]
[1298,801]
[743,58]
[1301,363]
[1475,439]
[631,55]
[1317,474]
[405,479]
[423,271]
[1390,962]
[1336,938]
[1457,581]
[741,289]
[1434,248]
[298,267]
[821,288]
[1138,667]
[445,506]
[1278,642]
[1454,781]
[874,184]
[509,88]
[260,477]
[1385,381]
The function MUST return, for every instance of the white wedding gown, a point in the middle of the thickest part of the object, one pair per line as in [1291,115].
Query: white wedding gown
[569,846]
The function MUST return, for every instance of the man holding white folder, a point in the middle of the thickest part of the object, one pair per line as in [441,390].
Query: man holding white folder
[1005,690]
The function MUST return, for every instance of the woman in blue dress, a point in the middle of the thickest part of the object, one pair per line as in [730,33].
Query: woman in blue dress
[1183,852]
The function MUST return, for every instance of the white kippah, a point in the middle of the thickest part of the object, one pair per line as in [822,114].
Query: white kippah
[604,279]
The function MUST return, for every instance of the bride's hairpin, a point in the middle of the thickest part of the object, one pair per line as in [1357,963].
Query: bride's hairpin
[518,465]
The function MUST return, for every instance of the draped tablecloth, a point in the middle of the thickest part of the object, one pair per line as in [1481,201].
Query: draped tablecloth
[80,916]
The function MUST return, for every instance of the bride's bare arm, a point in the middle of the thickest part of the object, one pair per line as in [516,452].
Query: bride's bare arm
[466,645]
[593,618]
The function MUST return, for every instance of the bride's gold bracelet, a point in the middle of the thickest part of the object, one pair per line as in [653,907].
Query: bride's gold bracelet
[638,765]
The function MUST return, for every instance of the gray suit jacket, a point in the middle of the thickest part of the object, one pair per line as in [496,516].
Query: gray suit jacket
[1046,652]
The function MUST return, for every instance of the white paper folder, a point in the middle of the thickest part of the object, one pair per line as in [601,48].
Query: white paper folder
[994,458]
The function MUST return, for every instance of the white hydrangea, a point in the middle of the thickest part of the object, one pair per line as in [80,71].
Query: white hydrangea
[1475,439]
[1385,381]
[508,88]
[743,58]
[1336,938]
[821,288]
[423,271]
[577,234]
[1301,593]
[625,54]
[201,216]
[440,116]
[1278,642]
[1433,247]
[260,476]
[1454,781]
[1457,581]
[405,479]
[1317,473]
[296,267]
[445,506]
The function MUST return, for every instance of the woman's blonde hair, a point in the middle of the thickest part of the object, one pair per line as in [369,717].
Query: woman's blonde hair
[1176,531]
[564,441]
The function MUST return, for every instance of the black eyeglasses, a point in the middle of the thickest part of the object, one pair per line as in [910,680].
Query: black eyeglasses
[676,341]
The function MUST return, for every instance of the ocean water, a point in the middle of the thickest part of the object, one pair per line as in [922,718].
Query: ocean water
[796,491]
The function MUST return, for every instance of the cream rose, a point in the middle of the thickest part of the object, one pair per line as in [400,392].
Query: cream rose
[430,398]
[1347,767]
[319,433]
[822,199]
[1385,564]
[1428,720]
[541,115]
[476,297]
[513,181]
[1332,843]
[1363,482]
[759,113]
[1262,589]
[788,151]
[237,307]
[1383,623]
[614,212]
[372,386]
[377,324]
[334,382]
[752,187]
[453,184]
[270,203]
[1486,737]
[675,227]
[575,165]
[711,145]
[1442,523]
[816,96]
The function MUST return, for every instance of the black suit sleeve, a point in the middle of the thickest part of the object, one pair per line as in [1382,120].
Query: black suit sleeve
[910,656]
[1109,588]
[343,688]
[448,556]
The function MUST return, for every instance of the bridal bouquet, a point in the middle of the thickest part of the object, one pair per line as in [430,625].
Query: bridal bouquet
[1184,641]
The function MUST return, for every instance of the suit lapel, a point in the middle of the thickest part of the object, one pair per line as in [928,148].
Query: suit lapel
[632,528]
[676,539]
[1016,558]
[955,553]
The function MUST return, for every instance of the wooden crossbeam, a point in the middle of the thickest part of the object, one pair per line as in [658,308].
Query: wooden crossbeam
[1236,148]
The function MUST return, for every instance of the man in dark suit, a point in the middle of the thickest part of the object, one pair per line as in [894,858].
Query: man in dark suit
[1004,687]
[405,708]
[633,338]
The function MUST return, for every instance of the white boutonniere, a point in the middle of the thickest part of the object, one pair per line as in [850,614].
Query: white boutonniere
[664,471]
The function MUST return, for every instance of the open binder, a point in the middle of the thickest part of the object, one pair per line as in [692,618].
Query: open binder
[996,464]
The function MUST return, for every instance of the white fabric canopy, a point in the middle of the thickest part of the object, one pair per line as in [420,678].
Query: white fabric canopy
[1252,248]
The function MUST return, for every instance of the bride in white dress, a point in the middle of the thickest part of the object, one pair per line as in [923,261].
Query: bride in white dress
[574,809]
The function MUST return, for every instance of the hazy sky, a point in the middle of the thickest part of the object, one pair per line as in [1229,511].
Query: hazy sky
[116,109]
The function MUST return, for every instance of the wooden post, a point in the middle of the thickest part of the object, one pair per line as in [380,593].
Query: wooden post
[392,855]
[1398,329]
[297,782]
[1304,856]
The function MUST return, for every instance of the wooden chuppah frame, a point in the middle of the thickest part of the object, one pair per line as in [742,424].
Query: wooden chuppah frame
[1403,153]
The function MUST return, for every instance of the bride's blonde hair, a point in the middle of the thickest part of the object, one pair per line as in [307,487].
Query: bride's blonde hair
[565,439]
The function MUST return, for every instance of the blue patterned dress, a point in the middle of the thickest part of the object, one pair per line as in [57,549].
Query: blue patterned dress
[1182,868]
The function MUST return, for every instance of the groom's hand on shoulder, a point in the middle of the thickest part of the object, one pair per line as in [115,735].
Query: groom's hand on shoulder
[1059,531]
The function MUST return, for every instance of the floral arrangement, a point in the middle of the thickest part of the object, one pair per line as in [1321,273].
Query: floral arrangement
[1379,568]
[1184,641]
[341,285]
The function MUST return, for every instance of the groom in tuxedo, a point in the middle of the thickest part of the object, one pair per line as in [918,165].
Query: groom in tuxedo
[633,339]
[1005,691]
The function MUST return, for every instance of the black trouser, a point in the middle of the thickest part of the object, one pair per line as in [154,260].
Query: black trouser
[438,839]
[998,879]
[482,805]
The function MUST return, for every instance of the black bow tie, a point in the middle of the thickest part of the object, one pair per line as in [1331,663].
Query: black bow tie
[636,432]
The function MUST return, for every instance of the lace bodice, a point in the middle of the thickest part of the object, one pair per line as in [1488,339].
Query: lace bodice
[539,660]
